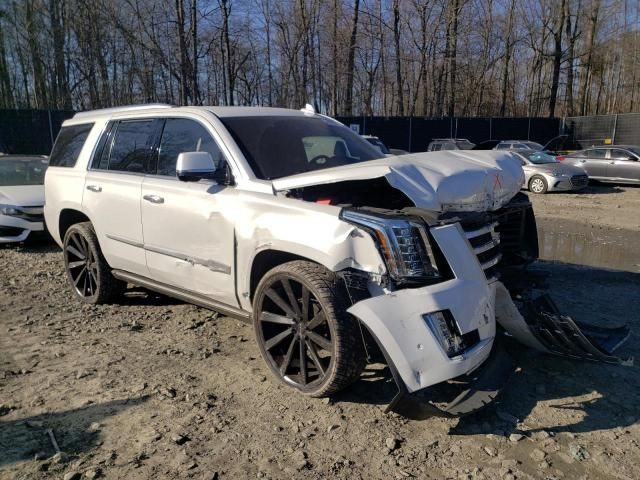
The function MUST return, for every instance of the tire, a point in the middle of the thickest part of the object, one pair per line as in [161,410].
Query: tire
[332,344]
[538,184]
[88,273]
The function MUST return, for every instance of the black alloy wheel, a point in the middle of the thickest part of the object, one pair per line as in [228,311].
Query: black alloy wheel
[307,339]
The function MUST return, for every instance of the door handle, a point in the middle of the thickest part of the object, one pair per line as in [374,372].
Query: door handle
[611,162]
[94,188]
[153,198]
[582,161]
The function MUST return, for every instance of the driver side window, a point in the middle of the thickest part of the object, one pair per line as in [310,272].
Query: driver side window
[182,135]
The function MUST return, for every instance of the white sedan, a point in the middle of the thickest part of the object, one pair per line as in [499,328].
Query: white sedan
[21,196]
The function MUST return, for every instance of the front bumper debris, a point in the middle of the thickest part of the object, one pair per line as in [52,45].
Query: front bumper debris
[537,322]
[461,396]
[561,335]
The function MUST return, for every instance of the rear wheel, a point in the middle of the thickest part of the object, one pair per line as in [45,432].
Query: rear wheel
[538,184]
[305,335]
[88,273]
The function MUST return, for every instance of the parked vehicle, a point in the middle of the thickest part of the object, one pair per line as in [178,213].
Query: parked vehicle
[376,142]
[543,173]
[518,145]
[611,163]
[21,196]
[293,222]
[438,144]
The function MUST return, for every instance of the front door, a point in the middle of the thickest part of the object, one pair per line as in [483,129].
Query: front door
[623,166]
[188,227]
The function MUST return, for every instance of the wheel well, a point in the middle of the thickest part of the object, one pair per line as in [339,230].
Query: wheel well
[265,261]
[70,217]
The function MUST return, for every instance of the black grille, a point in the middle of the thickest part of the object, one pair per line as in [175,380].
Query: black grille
[579,180]
[10,231]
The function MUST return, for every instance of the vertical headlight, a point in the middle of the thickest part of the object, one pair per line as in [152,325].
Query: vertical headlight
[403,243]
[446,332]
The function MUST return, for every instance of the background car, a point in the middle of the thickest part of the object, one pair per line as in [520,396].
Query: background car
[21,196]
[375,141]
[611,163]
[518,145]
[543,173]
[450,144]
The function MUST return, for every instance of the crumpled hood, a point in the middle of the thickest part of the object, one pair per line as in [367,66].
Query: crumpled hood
[446,181]
[22,196]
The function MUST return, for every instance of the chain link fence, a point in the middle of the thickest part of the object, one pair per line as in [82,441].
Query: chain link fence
[620,129]
[34,131]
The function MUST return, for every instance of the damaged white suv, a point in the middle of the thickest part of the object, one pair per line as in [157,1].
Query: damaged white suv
[291,221]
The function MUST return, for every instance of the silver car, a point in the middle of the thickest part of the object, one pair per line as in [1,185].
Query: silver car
[543,173]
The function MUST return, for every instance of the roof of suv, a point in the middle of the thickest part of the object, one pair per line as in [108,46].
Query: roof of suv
[218,111]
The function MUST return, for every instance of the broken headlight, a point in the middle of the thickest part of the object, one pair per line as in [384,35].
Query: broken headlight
[404,245]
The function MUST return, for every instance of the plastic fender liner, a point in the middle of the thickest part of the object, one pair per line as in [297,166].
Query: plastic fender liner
[538,323]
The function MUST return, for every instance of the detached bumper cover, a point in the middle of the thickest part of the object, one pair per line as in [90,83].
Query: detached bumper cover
[473,391]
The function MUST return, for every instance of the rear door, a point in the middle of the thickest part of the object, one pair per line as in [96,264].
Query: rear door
[188,226]
[113,186]
[623,166]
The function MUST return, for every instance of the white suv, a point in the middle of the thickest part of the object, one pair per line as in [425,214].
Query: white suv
[291,221]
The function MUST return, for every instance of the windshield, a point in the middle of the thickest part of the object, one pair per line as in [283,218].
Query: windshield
[635,150]
[539,158]
[22,171]
[280,146]
[533,145]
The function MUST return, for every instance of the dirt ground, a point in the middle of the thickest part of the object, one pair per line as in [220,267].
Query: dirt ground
[153,388]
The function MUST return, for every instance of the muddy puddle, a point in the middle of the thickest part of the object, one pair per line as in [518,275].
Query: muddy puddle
[577,244]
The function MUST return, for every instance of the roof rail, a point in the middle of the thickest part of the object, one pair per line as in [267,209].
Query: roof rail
[124,108]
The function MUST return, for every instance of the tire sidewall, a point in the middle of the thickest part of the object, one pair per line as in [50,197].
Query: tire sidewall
[89,236]
[273,276]
[544,183]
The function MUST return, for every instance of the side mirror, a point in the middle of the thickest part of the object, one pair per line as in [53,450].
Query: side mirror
[194,166]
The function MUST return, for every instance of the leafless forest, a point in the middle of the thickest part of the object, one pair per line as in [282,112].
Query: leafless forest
[347,57]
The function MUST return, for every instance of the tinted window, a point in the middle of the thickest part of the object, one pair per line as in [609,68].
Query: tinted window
[181,135]
[132,146]
[275,146]
[68,145]
[596,153]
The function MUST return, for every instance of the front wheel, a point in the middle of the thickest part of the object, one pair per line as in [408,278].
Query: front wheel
[304,333]
[88,273]
[538,184]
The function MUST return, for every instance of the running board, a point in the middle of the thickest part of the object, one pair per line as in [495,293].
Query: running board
[183,295]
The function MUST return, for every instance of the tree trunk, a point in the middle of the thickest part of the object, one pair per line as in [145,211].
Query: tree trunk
[396,43]
[348,104]
[557,60]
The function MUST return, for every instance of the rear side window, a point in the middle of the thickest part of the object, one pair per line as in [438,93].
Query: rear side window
[597,153]
[181,135]
[68,145]
[132,146]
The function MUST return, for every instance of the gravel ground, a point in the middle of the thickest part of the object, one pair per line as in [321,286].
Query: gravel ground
[153,388]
